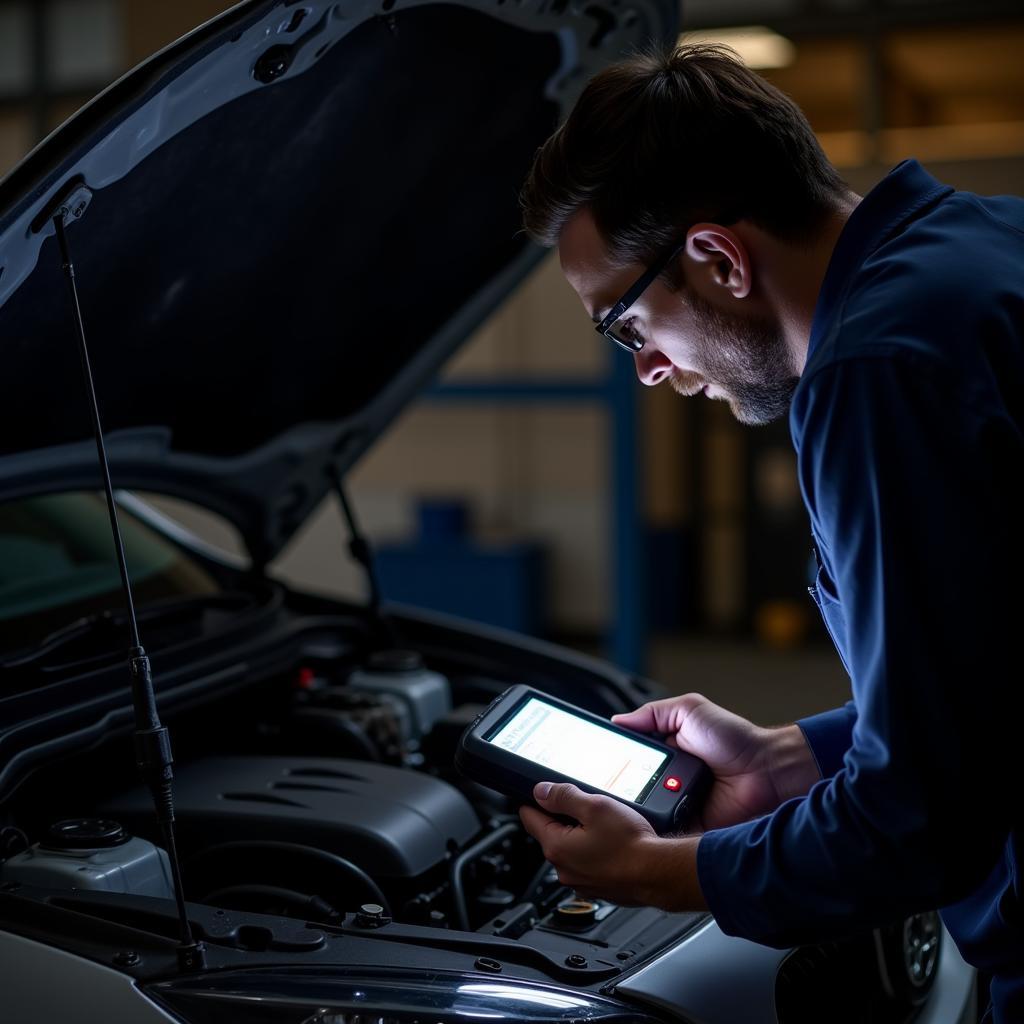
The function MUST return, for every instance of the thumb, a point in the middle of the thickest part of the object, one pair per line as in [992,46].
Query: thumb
[643,719]
[562,798]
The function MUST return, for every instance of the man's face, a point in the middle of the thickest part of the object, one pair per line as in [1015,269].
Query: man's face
[695,338]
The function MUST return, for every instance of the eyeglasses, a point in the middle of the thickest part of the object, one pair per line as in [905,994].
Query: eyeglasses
[616,325]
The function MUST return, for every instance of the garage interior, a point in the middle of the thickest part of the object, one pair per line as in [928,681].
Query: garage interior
[559,496]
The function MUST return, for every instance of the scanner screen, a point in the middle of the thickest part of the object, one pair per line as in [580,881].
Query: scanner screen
[581,749]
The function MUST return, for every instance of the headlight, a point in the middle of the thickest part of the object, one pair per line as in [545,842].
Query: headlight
[313,995]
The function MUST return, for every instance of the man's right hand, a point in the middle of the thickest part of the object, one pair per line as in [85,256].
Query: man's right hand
[755,769]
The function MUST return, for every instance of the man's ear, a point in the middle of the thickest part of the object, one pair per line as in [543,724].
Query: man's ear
[723,255]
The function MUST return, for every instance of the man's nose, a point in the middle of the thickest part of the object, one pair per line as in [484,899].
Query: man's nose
[652,365]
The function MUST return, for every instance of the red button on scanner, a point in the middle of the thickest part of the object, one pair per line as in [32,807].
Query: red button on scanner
[672,783]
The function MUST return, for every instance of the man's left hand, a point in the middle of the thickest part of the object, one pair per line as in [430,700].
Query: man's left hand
[612,854]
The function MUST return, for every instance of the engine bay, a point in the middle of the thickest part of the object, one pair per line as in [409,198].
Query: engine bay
[325,837]
[325,795]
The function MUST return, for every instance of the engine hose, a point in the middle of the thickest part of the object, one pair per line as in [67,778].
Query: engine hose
[256,859]
[458,866]
[256,897]
[534,883]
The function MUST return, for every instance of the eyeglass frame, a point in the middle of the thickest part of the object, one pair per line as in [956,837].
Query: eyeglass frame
[632,293]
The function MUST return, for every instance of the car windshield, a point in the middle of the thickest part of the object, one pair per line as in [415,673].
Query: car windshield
[57,564]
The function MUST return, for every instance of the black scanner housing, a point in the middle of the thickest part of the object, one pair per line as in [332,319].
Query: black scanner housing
[515,776]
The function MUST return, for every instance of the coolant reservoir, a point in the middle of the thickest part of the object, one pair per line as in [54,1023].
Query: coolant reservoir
[402,675]
[94,854]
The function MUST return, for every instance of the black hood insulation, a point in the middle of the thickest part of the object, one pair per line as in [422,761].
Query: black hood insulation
[297,213]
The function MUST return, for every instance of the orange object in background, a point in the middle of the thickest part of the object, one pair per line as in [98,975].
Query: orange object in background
[781,625]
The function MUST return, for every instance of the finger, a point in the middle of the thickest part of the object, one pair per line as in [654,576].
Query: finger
[662,715]
[643,719]
[540,825]
[565,798]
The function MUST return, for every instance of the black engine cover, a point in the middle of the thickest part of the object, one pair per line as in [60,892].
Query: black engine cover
[392,822]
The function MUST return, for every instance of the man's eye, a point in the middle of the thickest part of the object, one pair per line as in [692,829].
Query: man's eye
[629,330]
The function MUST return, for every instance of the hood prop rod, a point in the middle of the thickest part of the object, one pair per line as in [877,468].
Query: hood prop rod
[152,741]
[362,551]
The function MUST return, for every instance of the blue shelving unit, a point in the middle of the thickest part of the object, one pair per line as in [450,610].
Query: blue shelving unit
[628,555]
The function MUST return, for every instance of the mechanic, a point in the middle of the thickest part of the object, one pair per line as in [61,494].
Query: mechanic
[705,232]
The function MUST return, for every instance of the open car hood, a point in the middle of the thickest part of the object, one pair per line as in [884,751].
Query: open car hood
[290,218]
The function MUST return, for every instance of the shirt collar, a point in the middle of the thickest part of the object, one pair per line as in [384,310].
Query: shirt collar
[902,193]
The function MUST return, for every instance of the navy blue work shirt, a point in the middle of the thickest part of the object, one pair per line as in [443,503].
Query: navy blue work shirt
[908,423]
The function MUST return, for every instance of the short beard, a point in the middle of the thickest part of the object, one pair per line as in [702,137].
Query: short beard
[746,358]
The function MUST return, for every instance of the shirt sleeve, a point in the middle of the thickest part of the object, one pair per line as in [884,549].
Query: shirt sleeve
[829,735]
[915,489]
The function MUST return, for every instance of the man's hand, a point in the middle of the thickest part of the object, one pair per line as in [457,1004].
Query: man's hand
[754,769]
[613,853]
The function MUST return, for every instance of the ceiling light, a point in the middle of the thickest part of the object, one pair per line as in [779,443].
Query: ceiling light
[757,46]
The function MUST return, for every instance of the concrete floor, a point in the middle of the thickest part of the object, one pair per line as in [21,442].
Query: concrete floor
[770,687]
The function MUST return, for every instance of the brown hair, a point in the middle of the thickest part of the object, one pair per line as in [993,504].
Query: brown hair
[666,139]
